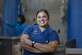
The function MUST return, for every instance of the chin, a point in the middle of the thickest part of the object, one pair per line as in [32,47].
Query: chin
[41,25]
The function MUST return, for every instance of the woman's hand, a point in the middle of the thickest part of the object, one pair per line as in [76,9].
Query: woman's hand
[22,39]
[22,42]
[28,42]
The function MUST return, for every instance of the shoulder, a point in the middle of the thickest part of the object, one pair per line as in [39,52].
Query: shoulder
[29,29]
[16,24]
[30,26]
[24,24]
[51,30]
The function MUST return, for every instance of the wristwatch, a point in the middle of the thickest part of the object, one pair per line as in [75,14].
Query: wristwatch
[33,43]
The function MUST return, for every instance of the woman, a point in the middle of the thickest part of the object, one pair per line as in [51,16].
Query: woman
[19,26]
[39,39]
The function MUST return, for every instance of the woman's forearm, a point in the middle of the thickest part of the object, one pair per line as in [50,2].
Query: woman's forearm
[26,44]
[31,49]
[11,25]
[46,48]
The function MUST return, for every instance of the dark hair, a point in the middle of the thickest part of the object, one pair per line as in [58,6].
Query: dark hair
[43,10]
[22,17]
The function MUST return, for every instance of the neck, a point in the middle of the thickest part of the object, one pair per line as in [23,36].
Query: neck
[42,28]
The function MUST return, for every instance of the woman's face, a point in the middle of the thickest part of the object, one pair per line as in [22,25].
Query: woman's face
[42,19]
[19,20]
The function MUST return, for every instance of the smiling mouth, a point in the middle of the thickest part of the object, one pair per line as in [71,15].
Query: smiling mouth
[42,22]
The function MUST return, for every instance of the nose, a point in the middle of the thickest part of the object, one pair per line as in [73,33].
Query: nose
[41,18]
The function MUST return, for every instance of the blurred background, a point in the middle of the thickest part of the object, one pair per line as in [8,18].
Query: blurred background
[65,18]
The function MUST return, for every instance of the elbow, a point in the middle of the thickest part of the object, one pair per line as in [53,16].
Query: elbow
[21,45]
[53,49]
[49,50]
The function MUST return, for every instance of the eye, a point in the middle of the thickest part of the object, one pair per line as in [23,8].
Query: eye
[44,16]
[39,17]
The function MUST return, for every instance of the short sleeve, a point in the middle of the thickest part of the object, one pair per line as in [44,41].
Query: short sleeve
[27,30]
[53,36]
[23,26]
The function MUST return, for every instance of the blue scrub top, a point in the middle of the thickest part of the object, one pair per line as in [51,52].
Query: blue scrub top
[36,35]
[19,29]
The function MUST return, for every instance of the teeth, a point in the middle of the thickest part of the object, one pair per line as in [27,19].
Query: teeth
[42,22]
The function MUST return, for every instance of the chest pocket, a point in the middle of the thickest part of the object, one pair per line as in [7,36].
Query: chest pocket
[33,36]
